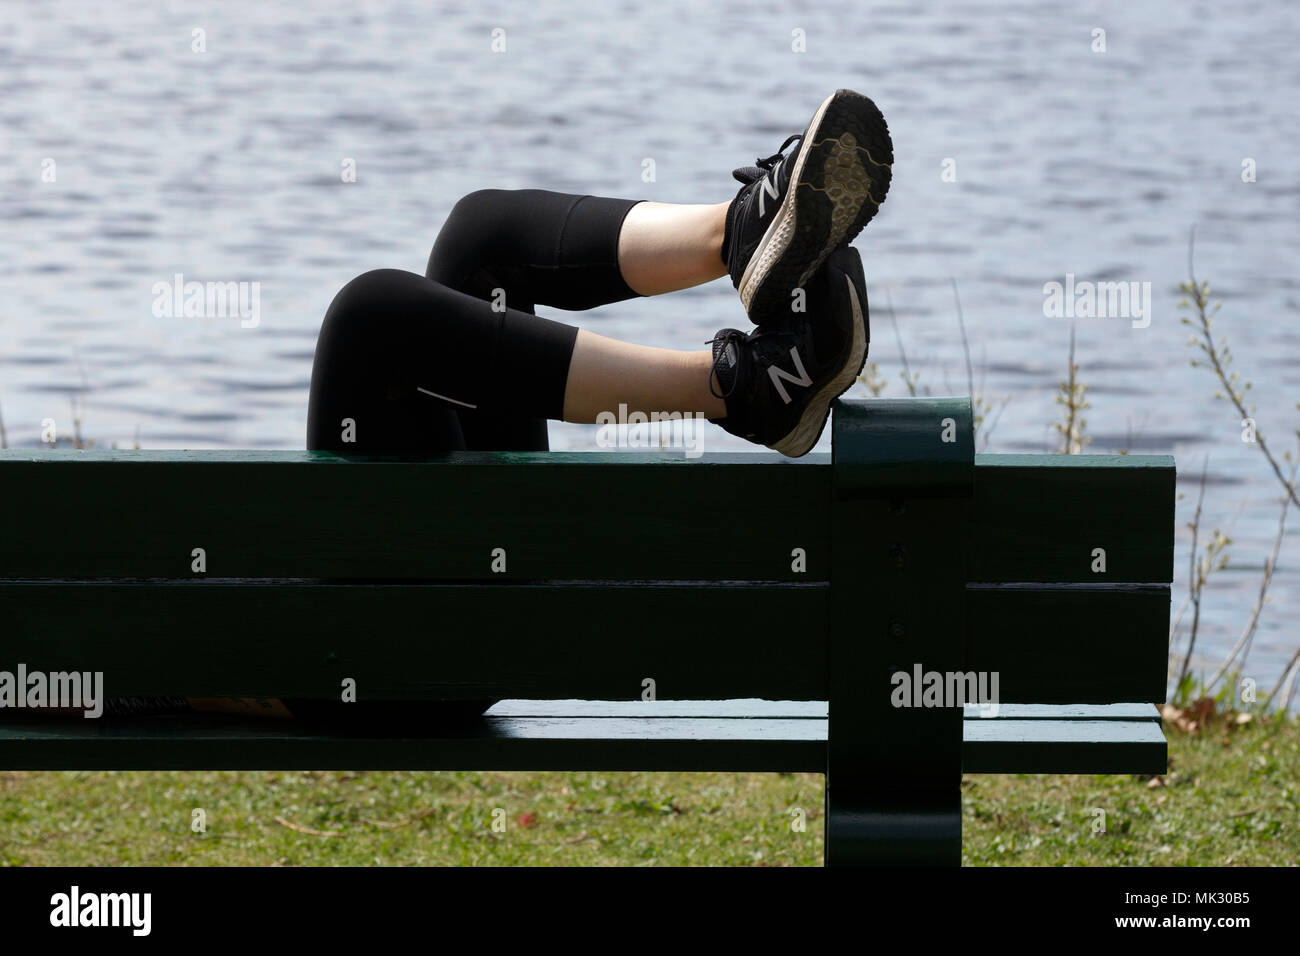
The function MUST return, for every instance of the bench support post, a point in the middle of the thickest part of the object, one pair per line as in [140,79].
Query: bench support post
[903,475]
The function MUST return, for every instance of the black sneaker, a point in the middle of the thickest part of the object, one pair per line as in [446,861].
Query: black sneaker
[779,380]
[777,236]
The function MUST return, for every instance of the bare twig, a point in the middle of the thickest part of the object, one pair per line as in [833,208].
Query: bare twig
[394,825]
[301,829]
[1129,436]
[1270,565]
[979,407]
[1071,395]
[986,433]
[1292,665]
[1220,358]
[909,379]
[965,345]
[1193,582]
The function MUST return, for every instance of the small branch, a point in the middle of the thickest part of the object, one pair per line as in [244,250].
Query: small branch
[1194,582]
[299,829]
[908,378]
[965,344]
[389,825]
[1220,358]
[1269,567]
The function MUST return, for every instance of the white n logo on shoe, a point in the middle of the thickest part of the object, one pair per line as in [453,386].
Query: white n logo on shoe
[768,187]
[803,378]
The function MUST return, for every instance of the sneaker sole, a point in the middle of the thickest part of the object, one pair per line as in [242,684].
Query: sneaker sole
[812,423]
[839,180]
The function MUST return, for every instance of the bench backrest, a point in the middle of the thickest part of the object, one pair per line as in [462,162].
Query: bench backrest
[551,575]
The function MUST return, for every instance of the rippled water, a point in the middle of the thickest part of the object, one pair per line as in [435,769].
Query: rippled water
[225,165]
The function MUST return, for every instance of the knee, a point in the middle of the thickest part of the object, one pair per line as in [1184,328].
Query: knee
[368,303]
[372,291]
[478,205]
[477,232]
[474,221]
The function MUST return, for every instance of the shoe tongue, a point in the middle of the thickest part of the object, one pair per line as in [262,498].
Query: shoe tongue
[747,174]
[726,360]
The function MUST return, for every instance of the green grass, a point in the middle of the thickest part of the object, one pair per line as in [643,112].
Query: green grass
[1231,797]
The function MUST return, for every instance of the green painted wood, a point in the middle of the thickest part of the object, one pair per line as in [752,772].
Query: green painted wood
[900,537]
[803,709]
[1080,644]
[301,458]
[1049,746]
[270,515]
[748,708]
[424,641]
[1083,643]
[1039,517]
[908,445]
[203,742]
[559,516]
[1067,712]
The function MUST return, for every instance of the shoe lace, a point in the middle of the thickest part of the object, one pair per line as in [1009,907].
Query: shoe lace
[780,153]
[749,174]
[762,339]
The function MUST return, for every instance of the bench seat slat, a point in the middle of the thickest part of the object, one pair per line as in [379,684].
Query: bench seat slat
[197,742]
[804,709]
[1063,746]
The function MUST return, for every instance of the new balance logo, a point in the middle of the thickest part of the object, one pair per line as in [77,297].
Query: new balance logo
[803,378]
[768,188]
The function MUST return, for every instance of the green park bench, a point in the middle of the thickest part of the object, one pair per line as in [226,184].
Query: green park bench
[770,607]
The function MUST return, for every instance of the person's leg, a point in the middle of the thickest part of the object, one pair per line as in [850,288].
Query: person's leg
[398,353]
[527,247]
[773,386]
[363,399]
[399,356]
[664,246]
[572,251]
[605,373]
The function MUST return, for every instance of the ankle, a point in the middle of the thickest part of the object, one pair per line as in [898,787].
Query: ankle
[722,239]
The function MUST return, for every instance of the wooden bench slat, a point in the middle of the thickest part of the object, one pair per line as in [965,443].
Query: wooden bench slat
[1081,643]
[1064,746]
[1039,517]
[1121,711]
[597,640]
[301,514]
[418,641]
[559,516]
[720,744]
[798,709]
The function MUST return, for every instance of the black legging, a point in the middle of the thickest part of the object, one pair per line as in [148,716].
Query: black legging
[457,359]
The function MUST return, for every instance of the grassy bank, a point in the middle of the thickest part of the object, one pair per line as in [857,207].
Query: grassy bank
[1232,797]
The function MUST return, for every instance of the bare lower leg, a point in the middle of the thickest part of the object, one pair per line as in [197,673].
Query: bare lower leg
[665,246]
[604,373]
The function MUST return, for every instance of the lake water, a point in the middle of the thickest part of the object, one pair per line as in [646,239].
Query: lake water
[225,165]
